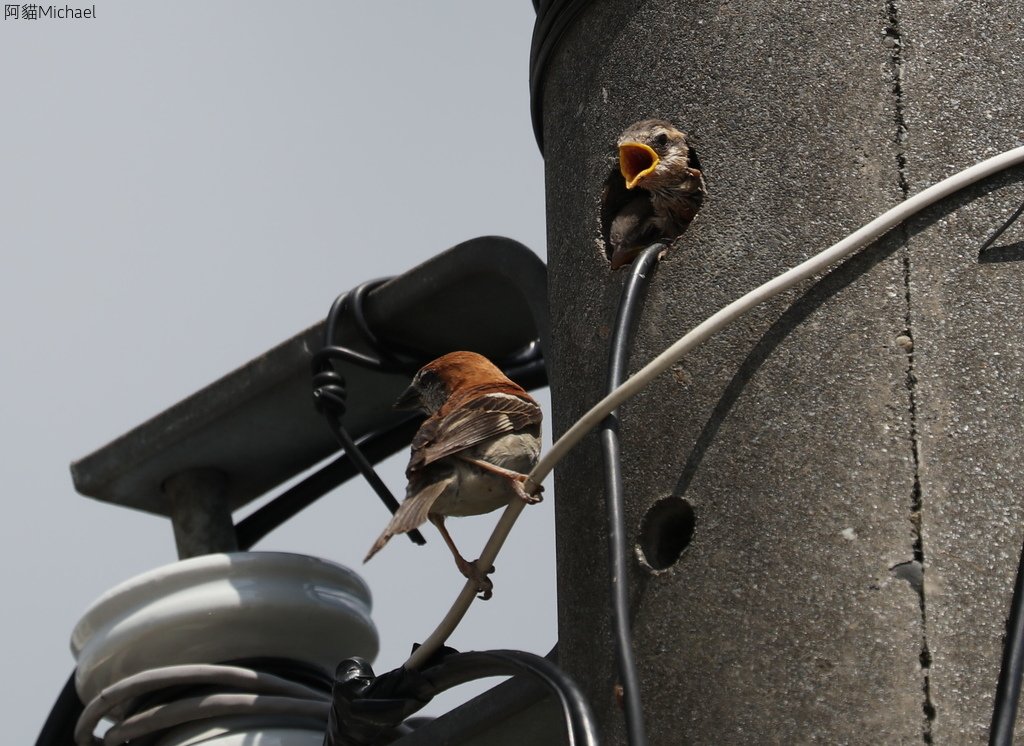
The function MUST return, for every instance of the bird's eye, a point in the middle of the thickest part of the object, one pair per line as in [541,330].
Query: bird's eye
[661,139]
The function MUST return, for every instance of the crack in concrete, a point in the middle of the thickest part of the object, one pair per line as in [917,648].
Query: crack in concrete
[894,39]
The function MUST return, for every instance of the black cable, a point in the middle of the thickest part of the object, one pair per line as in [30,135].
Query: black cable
[59,728]
[329,388]
[375,446]
[459,668]
[618,553]
[526,367]
[1004,712]
[371,476]
[367,708]
[1007,699]
[389,358]
[554,17]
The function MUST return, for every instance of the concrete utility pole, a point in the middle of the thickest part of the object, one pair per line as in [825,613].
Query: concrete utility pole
[835,440]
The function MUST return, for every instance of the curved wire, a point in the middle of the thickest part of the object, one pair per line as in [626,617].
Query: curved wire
[375,446]
[388,359]
[725,316]
[640,272]
[462,602]
[695,337]
[330,392]
[1011,667]
[155,679]
[554,18]
[526,369]
[329,388]
[59,728]
[1004,710]
[458,668]
[189,710]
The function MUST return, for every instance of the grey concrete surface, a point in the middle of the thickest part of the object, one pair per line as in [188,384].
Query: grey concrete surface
[796,614]
[962,102]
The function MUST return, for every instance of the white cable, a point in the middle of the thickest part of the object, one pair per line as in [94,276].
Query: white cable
[246,679]
[786,280]
[696,336]
[184,711]
[469,590]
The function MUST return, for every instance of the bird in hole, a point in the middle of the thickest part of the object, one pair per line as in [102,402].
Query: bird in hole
[660,190]
[472,453]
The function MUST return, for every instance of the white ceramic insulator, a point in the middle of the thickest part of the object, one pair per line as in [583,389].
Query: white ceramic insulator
[223,607]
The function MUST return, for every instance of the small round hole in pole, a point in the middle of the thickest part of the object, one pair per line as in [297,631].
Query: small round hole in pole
[666,530]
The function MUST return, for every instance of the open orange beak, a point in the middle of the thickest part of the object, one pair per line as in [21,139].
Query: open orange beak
[636,160]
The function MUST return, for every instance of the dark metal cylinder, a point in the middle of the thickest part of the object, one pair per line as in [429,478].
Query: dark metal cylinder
[200,512]
[837,439]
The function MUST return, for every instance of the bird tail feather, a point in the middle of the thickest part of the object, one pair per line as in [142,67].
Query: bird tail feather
[411,514]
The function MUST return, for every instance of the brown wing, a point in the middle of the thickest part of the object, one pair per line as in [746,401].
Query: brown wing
[411,513]
[469,424]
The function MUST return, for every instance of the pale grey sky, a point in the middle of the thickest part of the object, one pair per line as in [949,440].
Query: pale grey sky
[183,186]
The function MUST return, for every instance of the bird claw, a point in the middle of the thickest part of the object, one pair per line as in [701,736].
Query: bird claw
[485,589]
[526,496]
[484,585]
[530,499]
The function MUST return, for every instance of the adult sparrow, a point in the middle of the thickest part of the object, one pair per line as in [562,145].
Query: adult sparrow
[473,452]
[655,160]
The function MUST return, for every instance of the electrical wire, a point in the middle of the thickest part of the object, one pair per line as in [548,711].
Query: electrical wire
[59,728]
[554,18]
[1006,703]
[365,706]
[375,446]
[525,368]
[156,679]
[462,602]
[640,272]
[695,337]
[1007,699]
[330,393]
[183,711]
[581,729]
[1011,668]
[725,316]
[249,692]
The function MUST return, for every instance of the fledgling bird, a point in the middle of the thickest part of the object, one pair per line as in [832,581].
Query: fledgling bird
[473,452]
[655,160]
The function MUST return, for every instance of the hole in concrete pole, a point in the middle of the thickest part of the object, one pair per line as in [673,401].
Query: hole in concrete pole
[661,158]
[666,530]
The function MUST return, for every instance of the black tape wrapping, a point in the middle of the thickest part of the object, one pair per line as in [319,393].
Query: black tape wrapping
[367,708]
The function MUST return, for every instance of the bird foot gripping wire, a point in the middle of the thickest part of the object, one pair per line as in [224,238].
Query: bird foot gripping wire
[484,585]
